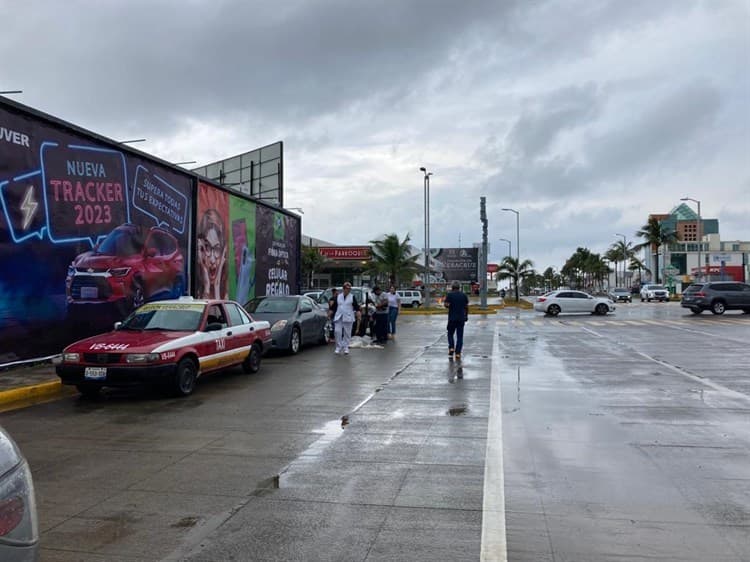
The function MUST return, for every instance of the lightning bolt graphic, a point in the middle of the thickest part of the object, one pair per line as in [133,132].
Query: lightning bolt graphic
[28,207]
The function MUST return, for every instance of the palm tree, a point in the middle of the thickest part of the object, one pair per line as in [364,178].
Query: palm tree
[511,269]
[311,261]
[637,265]
[393,257]
[655,234]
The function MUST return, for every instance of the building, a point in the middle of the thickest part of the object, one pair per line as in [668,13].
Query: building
[699,253]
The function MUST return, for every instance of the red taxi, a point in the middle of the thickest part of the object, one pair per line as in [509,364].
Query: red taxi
[167,343]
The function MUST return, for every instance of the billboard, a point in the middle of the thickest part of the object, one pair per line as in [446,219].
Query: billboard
[88,231]
[243,248]
[454,264]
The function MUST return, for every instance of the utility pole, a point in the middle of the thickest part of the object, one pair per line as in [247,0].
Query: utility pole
[483,261]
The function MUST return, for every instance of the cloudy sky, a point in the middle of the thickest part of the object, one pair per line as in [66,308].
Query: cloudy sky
[584,116]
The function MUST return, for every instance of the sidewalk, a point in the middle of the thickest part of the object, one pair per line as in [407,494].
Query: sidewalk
[26,385]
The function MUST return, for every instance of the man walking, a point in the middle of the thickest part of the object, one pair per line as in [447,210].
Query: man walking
[457,304]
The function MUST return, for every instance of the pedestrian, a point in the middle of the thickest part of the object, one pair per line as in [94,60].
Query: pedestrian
[381,315]
[457,304]
[347,310]
[332,304]
[394,307]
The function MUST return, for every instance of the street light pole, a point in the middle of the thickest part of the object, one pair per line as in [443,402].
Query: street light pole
[518,246]
[699,235]
[426,236]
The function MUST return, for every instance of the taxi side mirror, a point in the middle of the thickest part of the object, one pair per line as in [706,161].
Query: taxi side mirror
[118,325]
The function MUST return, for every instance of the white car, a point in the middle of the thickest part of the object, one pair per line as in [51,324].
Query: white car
[19,528]
[651,292]
[572,301]
[410,298]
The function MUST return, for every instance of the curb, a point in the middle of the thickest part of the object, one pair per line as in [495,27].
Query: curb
[32,392]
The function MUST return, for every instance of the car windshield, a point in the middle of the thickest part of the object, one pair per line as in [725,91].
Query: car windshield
[121,242]
[656,288]
[272,305]
[155,316]
[693,288]
[620,290]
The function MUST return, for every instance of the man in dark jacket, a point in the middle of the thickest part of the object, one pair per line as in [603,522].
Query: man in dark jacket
[457,304]
[381,315]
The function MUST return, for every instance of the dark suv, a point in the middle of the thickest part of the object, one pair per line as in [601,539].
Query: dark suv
[717,296]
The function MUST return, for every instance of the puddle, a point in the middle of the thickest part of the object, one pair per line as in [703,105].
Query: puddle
[458,410]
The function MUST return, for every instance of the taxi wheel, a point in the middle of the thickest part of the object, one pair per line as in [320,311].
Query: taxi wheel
[185,377]
[88,390]
[251,364]
[295,341]
[553,310]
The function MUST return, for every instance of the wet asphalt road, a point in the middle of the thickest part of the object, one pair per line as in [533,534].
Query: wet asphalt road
[625,437]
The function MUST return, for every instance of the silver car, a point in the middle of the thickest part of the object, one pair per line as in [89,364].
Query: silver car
[295,320]
[566,300]
[19,529]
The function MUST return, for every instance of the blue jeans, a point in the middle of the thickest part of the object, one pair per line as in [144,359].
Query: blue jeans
[456,327]
[392,315]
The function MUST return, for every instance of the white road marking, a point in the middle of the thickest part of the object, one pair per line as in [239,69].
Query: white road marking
[494,545]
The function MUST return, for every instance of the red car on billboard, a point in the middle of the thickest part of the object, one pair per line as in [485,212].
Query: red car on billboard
[168,343]
[132,265]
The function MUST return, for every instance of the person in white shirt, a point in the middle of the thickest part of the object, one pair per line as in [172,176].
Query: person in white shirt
[347,310]
[394,307]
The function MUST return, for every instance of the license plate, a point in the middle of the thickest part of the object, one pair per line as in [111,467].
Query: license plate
[89,292]
[95,373]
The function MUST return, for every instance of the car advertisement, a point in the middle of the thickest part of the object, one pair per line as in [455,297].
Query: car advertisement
[277,251]
[243,248]
[87,232]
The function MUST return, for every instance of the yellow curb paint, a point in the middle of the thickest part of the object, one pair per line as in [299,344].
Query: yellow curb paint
[26,395]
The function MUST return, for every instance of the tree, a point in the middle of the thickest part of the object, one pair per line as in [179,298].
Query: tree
[511,269]
[655,234]
[311,261]
[393,257]
[585,269]
[620,252]
[637,265]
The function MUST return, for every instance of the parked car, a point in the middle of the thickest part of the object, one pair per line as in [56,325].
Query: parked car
[129,267]
[313,295]
[717,296]
[360,293]
[410,298]
[19,527]
[555,302]
[295,320]
[167,343]
[620,294]
[651,292]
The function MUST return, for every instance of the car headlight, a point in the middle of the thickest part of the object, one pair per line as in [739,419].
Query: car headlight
[119,271]
[280,325]
[71,357]
[141,357]
[71,271]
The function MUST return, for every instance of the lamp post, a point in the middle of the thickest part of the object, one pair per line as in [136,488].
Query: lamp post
[624,258]
[508,241]
[699,235]
[518,246]
[426,235]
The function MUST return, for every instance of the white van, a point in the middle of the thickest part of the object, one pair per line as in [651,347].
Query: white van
[410,298]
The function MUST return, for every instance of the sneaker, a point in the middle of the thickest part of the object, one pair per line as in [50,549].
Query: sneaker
[458,357]
[450,353]
[337,351]
[346,352]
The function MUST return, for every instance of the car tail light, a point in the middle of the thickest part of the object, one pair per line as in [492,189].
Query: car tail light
[18,523]
[699,294]
[541,299]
